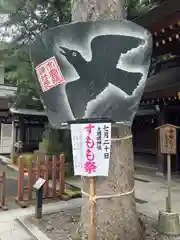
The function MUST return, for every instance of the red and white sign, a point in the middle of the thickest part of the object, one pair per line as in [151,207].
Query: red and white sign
[49,74]
[91,145]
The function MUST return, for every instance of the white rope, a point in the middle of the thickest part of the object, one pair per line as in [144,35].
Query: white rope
[114,195]
[123,138]
[107,196]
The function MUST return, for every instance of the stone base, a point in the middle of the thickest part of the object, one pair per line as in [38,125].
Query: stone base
[160,174]
[168,223]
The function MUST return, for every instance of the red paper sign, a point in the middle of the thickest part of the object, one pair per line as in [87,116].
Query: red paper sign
[49,74]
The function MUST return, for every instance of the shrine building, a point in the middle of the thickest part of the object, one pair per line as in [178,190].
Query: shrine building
[160,103]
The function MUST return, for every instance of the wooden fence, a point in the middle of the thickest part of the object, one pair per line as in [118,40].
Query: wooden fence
[3,190]
[54,167]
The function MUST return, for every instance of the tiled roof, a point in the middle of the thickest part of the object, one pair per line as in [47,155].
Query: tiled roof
[27,112]
[6,91]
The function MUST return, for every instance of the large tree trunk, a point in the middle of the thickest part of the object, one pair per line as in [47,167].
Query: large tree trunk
[84,10]
[115,217]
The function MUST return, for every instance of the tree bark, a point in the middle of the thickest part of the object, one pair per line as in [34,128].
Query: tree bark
[115,217]
[84,10]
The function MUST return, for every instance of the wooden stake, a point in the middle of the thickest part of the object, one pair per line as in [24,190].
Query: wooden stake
[91,199]
[46,177]
[20,179]
[38,167]
[54,177]
[30,181]
[3,191]
[61,175]
[168,205]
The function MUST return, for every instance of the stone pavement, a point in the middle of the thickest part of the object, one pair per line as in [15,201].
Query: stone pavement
[154,192]
[150,192]
[150,189]
[11,186]
[12,230]
[11,222]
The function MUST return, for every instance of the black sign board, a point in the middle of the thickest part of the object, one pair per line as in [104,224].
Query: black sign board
[92,70]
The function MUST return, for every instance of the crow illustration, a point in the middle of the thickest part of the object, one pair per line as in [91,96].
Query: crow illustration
[95,75]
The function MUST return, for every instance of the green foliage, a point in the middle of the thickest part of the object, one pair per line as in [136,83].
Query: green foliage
[21,22]
[19,72]
[27,159]
[27,18]
[137,8]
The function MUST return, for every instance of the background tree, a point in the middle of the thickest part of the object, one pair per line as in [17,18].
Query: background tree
[21,21]
[115,217]
[19,72]
[26,18]
[137,8]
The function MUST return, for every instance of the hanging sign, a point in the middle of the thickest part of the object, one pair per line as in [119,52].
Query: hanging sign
[168,140]
[91,145]
[103,67]
[167,135]
[49,74]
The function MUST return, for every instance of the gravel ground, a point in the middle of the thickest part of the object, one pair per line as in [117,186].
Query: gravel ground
[59,226]
[63,226]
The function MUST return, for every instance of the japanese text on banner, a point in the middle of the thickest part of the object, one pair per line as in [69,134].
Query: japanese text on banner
[91,157]
[90,164]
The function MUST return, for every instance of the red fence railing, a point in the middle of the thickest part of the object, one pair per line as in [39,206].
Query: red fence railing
[53,167]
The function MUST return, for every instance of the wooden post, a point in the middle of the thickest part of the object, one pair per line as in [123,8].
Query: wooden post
[54,176]
[161,159]
[38,166]
[168,137]
[20,179]
[30,181]
[91,199]
[3,191]
[46,185]
[61,175]
[168,205]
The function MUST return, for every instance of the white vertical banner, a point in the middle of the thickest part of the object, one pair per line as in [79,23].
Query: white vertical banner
[91,144]
[76,138]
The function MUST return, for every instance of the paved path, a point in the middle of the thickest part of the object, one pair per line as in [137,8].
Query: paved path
[11,187]
[155,193]
[150,188]
[11,229]
[151,192]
